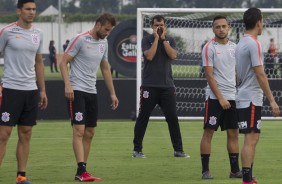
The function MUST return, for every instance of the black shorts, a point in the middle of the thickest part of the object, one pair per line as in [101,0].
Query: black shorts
[19,107]
[249,119]
[216,116]
[84,109]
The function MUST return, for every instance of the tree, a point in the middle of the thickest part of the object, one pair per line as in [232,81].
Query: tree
[7,6]
[98,6]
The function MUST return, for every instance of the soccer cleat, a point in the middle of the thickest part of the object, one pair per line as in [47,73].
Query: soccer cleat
[86,177]
[207,176]
[236,175]
[137,154]
[181,154]
[252,182]
[22,180]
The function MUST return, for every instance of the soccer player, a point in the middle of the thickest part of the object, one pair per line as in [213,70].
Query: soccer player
[157,86]
[218,57]
[252,84]
[21,44]
[86,52]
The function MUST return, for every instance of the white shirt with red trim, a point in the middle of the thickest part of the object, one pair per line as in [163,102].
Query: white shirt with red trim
[249,54]
[87,54]
[20,47]
[222,58]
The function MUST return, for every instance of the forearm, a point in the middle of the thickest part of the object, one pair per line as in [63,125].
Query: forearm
[39,69]
[263,82]
[150,53]
[64,69]
[214,88]
[171,52]
[109,81]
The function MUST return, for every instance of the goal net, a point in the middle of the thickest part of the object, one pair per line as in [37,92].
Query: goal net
[191,28]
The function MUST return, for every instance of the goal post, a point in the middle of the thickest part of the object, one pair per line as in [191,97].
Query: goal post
[191,27]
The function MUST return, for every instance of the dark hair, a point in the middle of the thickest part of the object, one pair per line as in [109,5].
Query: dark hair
[105,18]
[251,17]
[158,18]
[218,17]
[51,43]
[21,3]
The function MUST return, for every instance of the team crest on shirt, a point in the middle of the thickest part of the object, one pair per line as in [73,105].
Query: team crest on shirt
[78,116]
[146,94]
[212,120]
[35,38]
[101,48]
[5,117]
[232,53]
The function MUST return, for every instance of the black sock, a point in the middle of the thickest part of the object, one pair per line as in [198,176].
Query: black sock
[234,163]
[81,168]
[205,158]
[247,174]
[19,173]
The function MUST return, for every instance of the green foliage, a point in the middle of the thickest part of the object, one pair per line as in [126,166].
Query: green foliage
[52,160]
[8,18]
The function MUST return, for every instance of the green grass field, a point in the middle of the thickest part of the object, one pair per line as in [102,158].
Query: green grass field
[52,161]
[179,71]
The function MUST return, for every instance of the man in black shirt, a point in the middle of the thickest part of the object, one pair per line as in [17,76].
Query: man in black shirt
[158,87]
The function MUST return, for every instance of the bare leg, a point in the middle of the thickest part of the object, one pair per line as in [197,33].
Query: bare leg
[249,148]
[5,133]
[87,139]
[205,147]
[24,133]
[77,142]
[232,141]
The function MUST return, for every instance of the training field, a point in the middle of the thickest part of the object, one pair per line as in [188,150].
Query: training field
[52,162]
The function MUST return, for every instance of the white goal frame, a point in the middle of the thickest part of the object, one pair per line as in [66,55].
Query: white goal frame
[140,22]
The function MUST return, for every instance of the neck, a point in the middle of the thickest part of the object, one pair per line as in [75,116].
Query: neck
[93,34]
[23,24]
[221,41]
[253,33]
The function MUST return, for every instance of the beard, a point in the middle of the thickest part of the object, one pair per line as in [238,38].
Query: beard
[221,36]
[99,35]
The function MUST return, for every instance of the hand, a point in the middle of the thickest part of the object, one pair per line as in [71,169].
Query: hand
[224,104]
[275,109]
[115,102]
[163,33]
[43,100]
[69,94]
[155,33]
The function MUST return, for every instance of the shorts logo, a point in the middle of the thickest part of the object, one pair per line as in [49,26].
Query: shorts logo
[101,48]
[212,120]
[78,116]
[146,94]
[259,124]
[5,117]
[35,39]
[242,125]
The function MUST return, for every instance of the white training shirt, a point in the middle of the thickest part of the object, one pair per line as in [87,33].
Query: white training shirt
[222,58]
[87,54]
[20,47]
[248,55]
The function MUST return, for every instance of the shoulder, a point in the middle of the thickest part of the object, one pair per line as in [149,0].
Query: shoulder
[148,37]
[210,45]
[8,28]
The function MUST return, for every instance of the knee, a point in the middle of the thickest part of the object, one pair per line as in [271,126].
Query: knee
[25,135]
[89,133]
[208,134]
[4,136]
